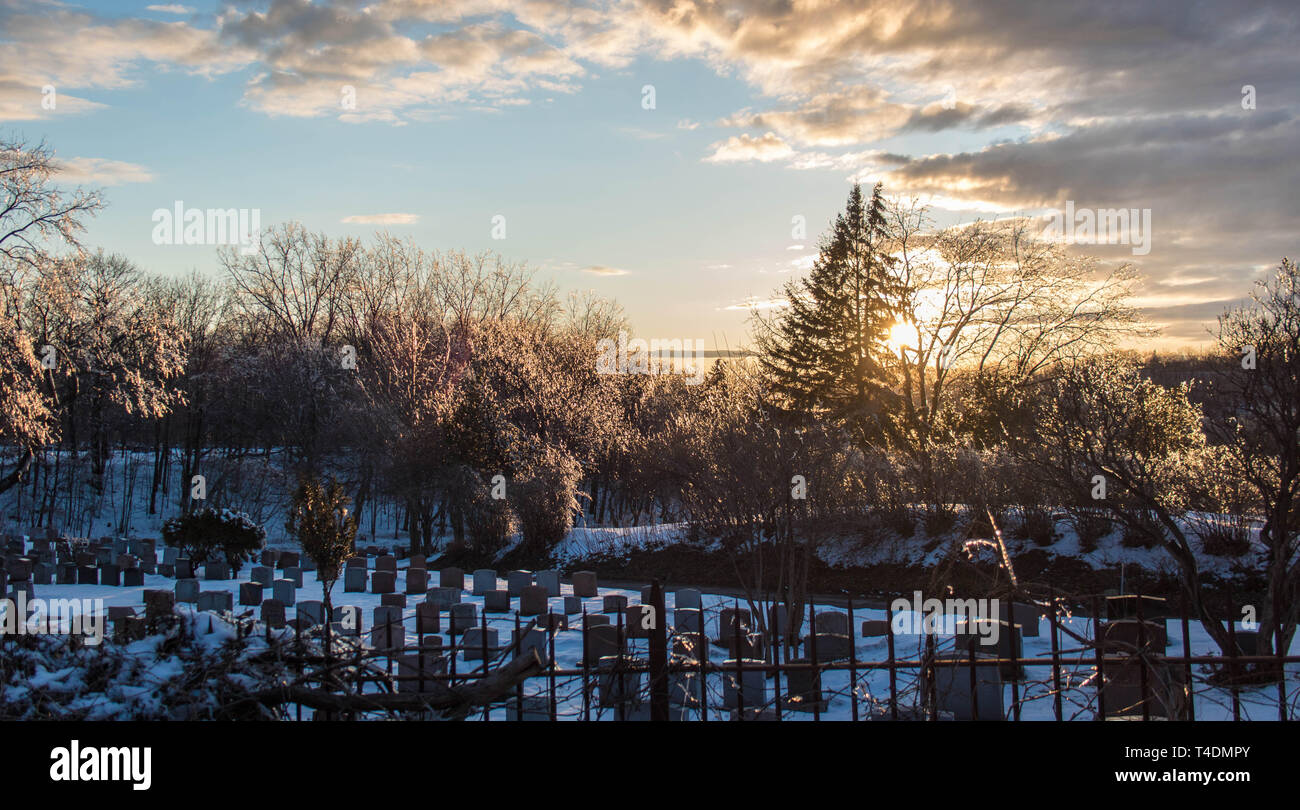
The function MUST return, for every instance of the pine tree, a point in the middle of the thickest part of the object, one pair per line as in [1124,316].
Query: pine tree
[826,354]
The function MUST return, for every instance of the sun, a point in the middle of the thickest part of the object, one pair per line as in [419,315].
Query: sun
[903,336]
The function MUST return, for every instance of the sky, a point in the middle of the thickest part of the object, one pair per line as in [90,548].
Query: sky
[664,152]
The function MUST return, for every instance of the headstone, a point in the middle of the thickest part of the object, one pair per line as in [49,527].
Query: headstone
[87,575]
[133,577]
[250,593]
[127,629]
[269,556]
[110,574]
[347,619]
[383,582]
[263,575]
[1127,631]
[354,580]
[833,622]
[184,568]
[550,580]
[572,604]
[778,619]
[215,601]
[516,581]
[414,666]
[294,572]
[750,645]
[473,642]
[311,612]
[286,559]
[731,622]
[533,600]
[384,614]
[388,564]
[1006,645]
[358,561]
[19,567]
[1027,616]
[452,578]
[485,579]
[428,618]
[417,580]
[618,683]
[125,562]
[952,684]
[158,604]
[284,591]
[597,620]
[640,621]
[308,564]
[802,694]
[216,570]
[533,638]
[41,574]
[187,590]
[602,641]
[496,601]
[273,613]
[166,570]
[875,627]
[747,686]
[830,646]
[584,584]
[444,597]
[417,561]
[65,574]
[463,616]
[553,621]
[614,603]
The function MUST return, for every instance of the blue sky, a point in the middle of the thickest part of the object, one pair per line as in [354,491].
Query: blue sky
[466,109]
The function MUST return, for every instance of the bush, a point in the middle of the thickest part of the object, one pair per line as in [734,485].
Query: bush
[1144,531]
[1036,525]
[545,498]
[319,519]
[1090,525]
[202,535]
[1224,537]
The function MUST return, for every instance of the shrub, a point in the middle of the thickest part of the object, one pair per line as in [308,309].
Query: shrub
[203,534]
[545,498]
[319,519]
[1036,525]
[1228,536]
[1090,525]
[1143,531]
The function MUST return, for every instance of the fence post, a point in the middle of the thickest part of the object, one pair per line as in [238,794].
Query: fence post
[658,655]
[812,658]
[1142,658]
[853,664]
[586,696]
[1056,661]
[487,707]
[1187,662]
[737,654]
[703,654]
[519,687]
[1233,671]
[1099,655]
[893,670]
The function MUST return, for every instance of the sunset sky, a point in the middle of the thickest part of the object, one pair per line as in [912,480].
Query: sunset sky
[763,111]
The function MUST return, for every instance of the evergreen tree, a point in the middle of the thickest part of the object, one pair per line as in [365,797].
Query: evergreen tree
[826,354]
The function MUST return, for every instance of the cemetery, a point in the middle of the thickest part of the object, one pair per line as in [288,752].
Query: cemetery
[405,640]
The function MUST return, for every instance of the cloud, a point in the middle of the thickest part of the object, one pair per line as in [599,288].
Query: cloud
[170,9]
[603,270]
[382,219]
[99,171]
[742,148]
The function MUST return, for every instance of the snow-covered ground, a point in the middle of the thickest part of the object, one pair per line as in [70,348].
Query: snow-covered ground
[1036,702]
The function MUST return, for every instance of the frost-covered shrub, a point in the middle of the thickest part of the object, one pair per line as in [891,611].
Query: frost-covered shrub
[204,534]
[546,498]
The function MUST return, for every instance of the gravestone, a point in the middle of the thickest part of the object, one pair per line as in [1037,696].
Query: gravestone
[572,604]
[952,686]
[19,567]
[187,590]
[158,604]
[87,575]
[125,562]
[463,615]
[263,575]
[417,580]
[184,568]
[875,627]
[778,619]
[584,584]
[830,646]
[215,601]
[269,556]
[110,574]
[473,641]
[127,629]
[1129,632]
[550,580]
[802,694]
[531,639]
[294,572]
[250,593]
[452,578]
[1006,646]
[614,603]
[444,596]
[216,570]
[597,620]
[286,559]
[308,564]
[417,561]
[383,582]
[133,577]
[485,579]
[534,709]
[496,601]
[1027,616]
[358,561]
[516,581]
[602,641]
[640,621]
[428,618]
[553,621]
[41,574]
[413,666]
[618,683]
[387,564]
[354,580]
[311,612]
[533,600]
[347,620]
[833,622]
[273,613]
[65,574]
[284,591]
[748,686]
[731,622]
